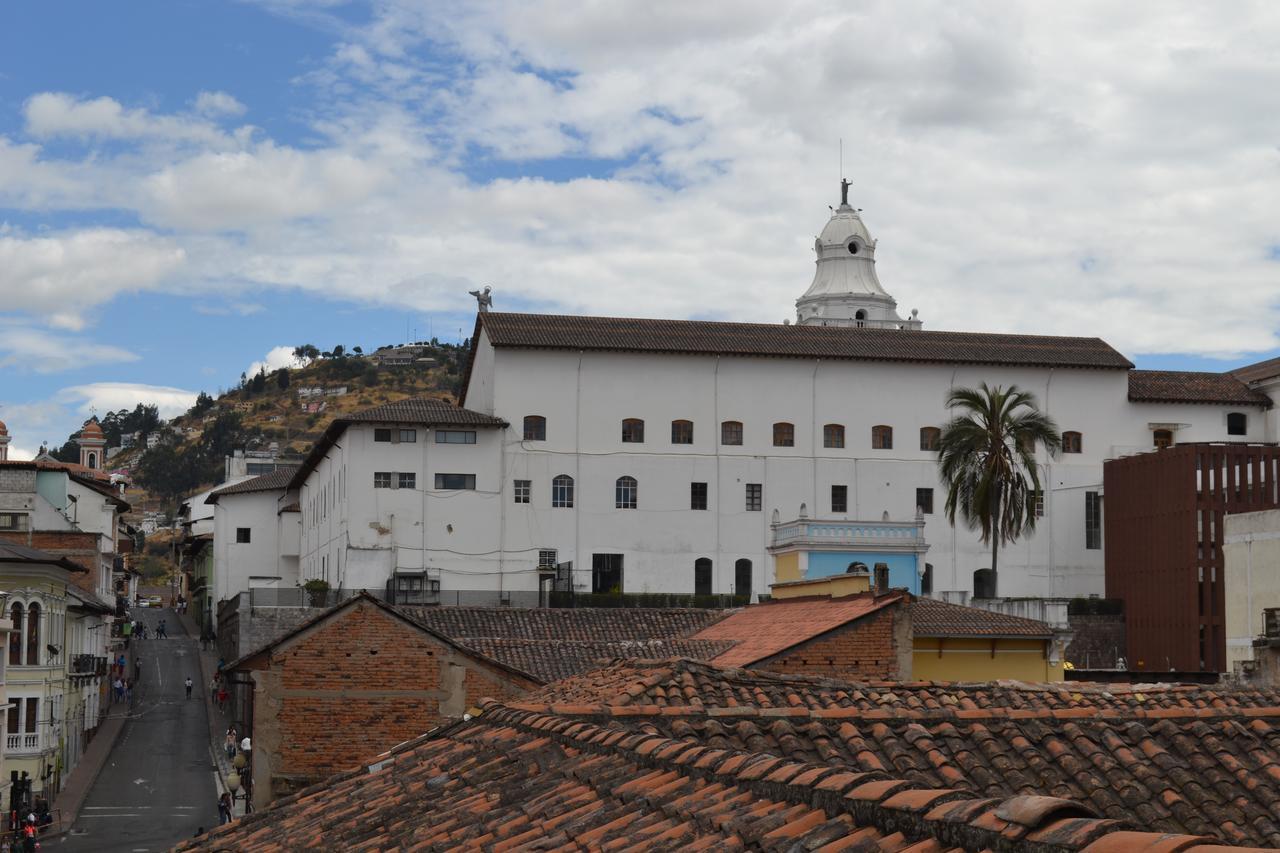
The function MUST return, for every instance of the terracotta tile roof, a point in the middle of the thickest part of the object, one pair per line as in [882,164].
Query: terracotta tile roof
[17,553]
[1257,372]
[630,334]
[277,479]
[764,630]
[1182,386]
[512,779]
[932,618]
[610,624]
[552,660]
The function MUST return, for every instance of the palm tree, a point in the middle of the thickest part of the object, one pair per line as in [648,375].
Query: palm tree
[986,458]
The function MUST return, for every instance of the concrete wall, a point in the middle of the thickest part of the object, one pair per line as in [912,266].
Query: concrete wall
[1251,560]
[976,660]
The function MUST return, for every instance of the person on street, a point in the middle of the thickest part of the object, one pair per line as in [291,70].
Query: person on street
[213,689]
[161,632]
[118,687]
[137,668]
[229,746]
[188,684]
[224,808]
[223,696]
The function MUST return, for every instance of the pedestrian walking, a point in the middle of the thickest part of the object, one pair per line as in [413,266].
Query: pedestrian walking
[188,684]
[128,690]
[223,696]
[213,689]
[161,632]
[118,687]
[137,668]
[229,746]
[224,808]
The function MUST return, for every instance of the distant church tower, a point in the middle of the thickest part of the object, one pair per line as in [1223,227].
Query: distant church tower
[92,445]
[845,289]
[4,442]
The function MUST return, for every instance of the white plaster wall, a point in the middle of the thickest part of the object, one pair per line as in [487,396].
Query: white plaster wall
[1251,565]
[239,566]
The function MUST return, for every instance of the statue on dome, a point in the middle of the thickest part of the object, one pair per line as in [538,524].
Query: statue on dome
[484,300]
[844,191]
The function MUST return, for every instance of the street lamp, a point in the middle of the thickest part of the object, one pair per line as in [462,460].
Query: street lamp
[233,785]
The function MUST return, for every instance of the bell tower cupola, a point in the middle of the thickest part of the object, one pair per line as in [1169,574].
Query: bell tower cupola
[846,290]
[93,445]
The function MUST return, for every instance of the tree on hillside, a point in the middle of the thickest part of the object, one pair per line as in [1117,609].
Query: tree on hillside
[203,404]
[282,378]
[68,452]
[259,382]
[306,352]
[339,351]
[986,458]
[357,350]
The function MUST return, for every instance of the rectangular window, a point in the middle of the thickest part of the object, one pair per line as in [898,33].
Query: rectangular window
[682,432]
[410,436]
[382,435]
[784,435]
[382,479]
[633,431]
[523,490]
[606,573]
[755,497]
[13,521]
[455,436]
[924,500]
[547,558]
[833,435]
[839,498]
[731,432]
[242,535]
[33,715]
[455,481]
[1092,521]
[407,481]
[1037,502]
[562,491]
[697,496]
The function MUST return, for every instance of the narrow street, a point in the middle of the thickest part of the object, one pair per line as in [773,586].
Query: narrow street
[157,787]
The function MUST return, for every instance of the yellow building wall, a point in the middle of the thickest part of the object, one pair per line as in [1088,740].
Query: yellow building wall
[835,586]
[972,660]
[786,567]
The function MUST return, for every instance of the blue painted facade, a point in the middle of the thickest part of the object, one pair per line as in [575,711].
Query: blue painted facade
[902,567]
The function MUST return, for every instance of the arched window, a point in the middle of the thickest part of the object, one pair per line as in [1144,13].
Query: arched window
[833,435]
[93,460]
[535,428]
[882,437]
[784,434]
[1237,423]
[562,491]
[926,580]
[731,432]
[625,493]
[1162,438]
[15,638]
[929,438]
[633,431]
[702,576]
[742,578]
[682,432]
[33,635]
[1072,442]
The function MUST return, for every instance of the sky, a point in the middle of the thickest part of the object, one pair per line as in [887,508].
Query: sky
[191,188]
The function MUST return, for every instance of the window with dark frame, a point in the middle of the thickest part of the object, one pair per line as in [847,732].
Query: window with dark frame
[410,436]
[562,491]
[697,496]
[633,431]
[523,491]
[1092,521]
[1162,438]
[455,436]
[731,433]
[882,437]
[833,435]
[606,574]
[682,432]
[461,482]
[1037,503]
[1072,442]
[242,535]
[1237,423]
[840,498]
[784,434]
[382,479]
[924,501]
[755,497]
[409,480]
[381,434]
[535,428]
[702,576]
[625,493]
[930,437]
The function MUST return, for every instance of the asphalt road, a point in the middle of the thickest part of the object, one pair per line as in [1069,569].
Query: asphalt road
[157,787]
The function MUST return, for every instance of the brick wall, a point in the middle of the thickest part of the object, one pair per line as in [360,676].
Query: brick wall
[80,548]
[870,648]
[352,687]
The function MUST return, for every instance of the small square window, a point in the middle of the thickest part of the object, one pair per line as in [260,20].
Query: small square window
[382,479]
[784,435]
[407,481]
[522,491]
[1237,423]
[408,436]
[633,431]
[755,495]
[924,501]
[547,558]
[833,435]
[682,432]
[882,437]
[1072,442]
[382,435]
[731,433]
[839,498]
[929,438]
[455,481]
[697,496]
[535,428]
[242,535]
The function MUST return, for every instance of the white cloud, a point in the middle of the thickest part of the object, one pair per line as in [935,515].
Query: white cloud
[62,275]
[276,358]
[26,348]
[218,104]
[57,114]
[105,397]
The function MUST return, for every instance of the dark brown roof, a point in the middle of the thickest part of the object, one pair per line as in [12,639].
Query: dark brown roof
[1259,371]
[276,480]
[422,411]
[515,778]
[1185,386]
[629,334]
[932,618]
[13,552]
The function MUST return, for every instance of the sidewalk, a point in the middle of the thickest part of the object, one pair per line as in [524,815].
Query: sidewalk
[66,804]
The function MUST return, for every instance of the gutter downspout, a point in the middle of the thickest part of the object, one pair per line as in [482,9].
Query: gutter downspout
[1048,476]
[577,472]
[715,414]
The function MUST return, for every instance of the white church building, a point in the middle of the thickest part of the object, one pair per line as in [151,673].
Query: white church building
[707,457]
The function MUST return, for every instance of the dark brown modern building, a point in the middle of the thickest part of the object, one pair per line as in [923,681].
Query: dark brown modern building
[1164,519]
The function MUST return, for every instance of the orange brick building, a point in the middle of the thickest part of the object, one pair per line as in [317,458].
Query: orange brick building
[353,682]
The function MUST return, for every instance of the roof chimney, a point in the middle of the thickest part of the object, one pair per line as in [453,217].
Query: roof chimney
[880,582]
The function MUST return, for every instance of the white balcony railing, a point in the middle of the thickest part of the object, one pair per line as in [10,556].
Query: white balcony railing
[15,743]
